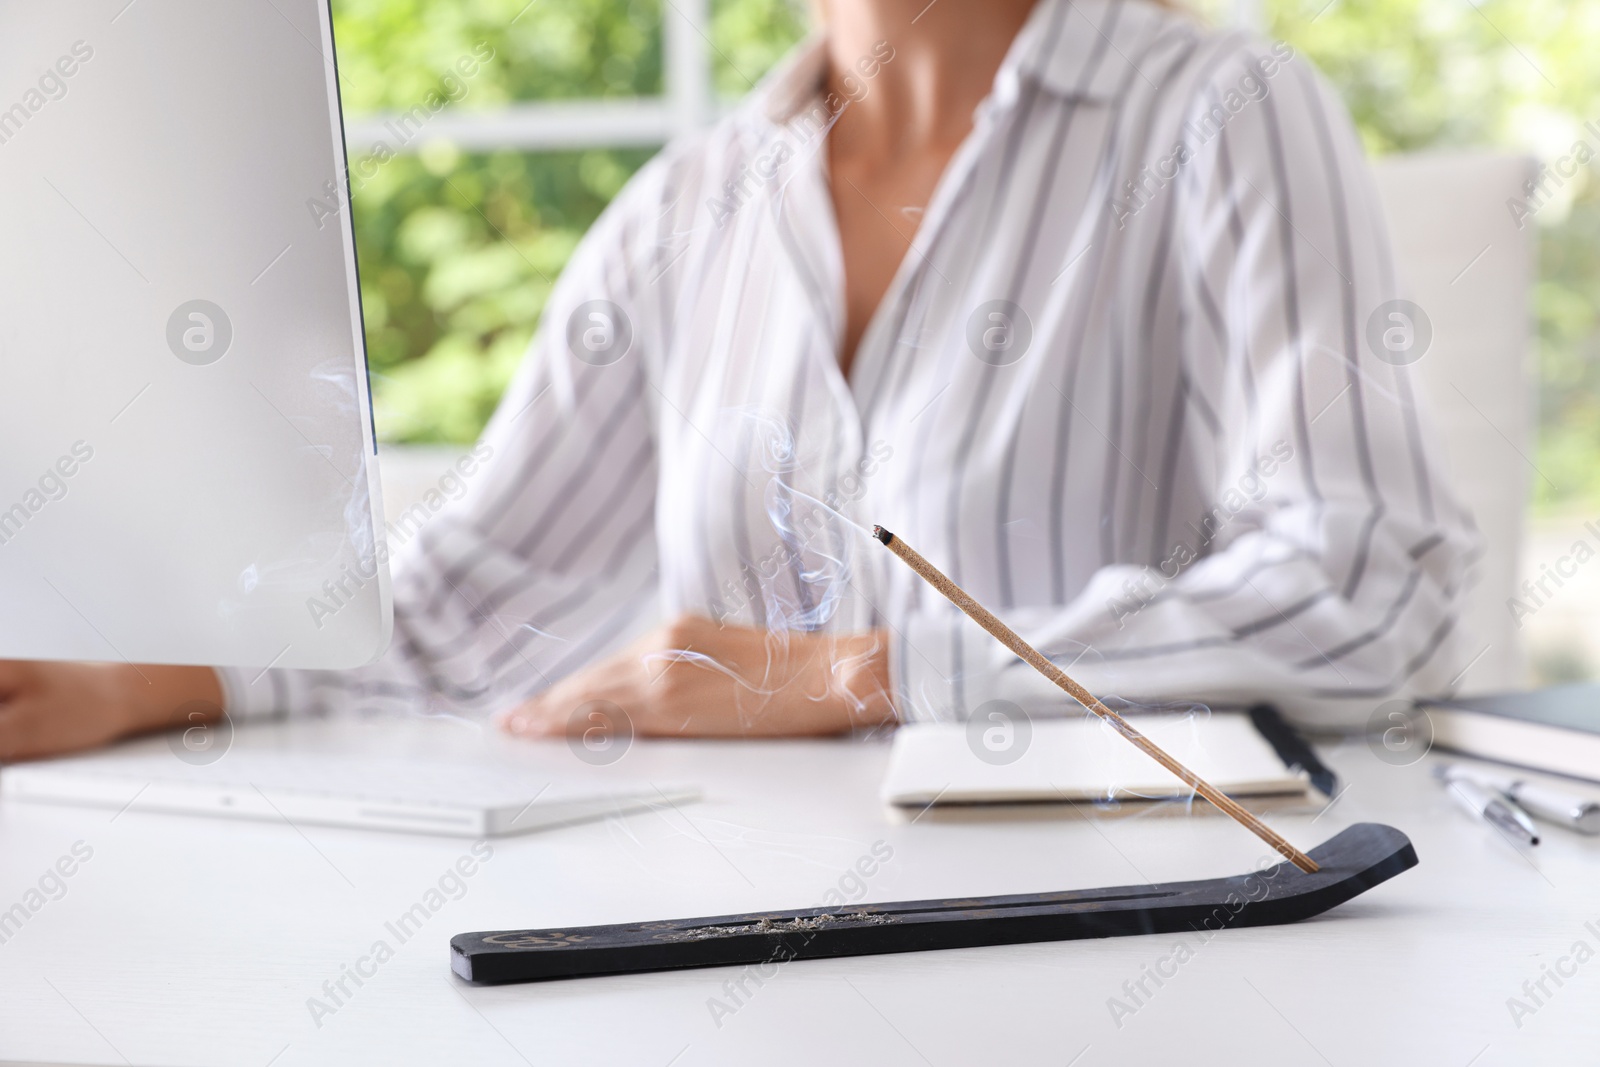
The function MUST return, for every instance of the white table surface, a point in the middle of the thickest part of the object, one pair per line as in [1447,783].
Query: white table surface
[191,940]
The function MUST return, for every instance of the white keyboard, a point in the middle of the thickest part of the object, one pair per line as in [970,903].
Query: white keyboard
[474,799]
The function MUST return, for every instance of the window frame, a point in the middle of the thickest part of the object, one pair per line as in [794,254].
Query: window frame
[688,104]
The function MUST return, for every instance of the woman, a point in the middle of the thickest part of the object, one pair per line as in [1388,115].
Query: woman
[1071,295]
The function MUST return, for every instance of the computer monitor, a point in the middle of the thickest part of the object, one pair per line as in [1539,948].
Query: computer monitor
[187,459]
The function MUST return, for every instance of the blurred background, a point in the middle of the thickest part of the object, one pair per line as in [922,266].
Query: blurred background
[465,216]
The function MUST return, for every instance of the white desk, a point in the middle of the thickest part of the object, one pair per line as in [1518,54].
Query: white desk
[198,941]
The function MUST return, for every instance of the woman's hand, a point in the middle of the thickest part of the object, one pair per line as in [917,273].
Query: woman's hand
[50,708]
[697,678]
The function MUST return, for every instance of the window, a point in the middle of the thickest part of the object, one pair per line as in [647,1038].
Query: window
[484,139]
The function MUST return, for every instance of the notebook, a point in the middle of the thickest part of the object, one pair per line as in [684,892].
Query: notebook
[1555,729]
[1084,759]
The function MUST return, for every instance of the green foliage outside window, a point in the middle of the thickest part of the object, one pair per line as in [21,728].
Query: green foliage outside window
[458,250]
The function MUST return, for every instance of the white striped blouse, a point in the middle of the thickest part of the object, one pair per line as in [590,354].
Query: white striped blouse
[1120,389]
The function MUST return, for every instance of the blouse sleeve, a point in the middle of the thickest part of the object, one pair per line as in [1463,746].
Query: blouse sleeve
[548,556]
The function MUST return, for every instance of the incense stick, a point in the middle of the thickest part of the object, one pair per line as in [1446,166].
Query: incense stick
[1035,659]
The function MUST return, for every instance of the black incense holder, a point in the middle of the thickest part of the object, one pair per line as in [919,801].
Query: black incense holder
[1350,863]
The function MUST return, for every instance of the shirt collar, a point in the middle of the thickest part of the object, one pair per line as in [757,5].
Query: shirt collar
[1085,48]
[1075,48]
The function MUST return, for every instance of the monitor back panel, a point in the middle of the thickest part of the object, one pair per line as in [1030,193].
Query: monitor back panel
[187,465]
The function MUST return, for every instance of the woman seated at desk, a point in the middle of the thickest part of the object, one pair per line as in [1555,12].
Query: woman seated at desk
[1073,296]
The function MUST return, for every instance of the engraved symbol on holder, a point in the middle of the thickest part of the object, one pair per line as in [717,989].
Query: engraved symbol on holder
[543,939]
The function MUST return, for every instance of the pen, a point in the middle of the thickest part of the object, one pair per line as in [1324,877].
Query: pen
[1292,748]
[1552,804]
[1496,809]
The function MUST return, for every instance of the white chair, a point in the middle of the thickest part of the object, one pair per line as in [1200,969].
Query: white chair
[1463,260]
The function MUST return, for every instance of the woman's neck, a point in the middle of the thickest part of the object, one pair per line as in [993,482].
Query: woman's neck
[945,55]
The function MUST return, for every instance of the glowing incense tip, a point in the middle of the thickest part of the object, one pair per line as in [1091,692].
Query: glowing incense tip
[881,534]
